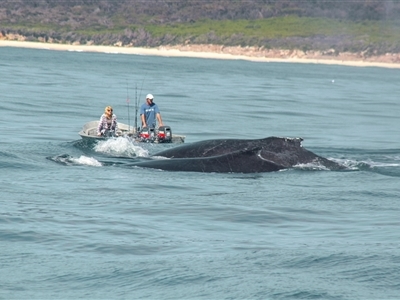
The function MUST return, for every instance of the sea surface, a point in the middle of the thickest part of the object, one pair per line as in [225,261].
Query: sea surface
[78,221]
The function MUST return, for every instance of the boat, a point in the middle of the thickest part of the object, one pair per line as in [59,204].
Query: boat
[163,134]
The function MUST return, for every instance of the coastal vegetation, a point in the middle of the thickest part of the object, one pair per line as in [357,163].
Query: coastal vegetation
[367,26]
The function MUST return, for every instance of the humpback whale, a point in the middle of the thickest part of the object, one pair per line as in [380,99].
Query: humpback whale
[237,156]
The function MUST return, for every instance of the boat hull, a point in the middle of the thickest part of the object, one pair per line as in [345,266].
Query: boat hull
[89,132]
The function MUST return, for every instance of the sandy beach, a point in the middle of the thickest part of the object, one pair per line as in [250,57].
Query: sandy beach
[221,52]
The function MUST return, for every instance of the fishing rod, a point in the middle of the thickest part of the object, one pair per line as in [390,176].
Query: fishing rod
[136,109]
[127,102]
[137,102]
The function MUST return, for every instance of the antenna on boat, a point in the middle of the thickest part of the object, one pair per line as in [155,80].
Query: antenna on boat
[127,102]
[137,102]
[136,109]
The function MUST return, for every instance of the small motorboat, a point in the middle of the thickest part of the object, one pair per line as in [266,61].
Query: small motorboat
[162,134]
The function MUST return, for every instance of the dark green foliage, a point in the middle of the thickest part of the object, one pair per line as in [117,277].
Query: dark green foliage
[304,24]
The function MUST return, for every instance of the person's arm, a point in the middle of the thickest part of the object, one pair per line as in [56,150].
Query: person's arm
[160,123]
[115,123]
[143,120]
[100,126]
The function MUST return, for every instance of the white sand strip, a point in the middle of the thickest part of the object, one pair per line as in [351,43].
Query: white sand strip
[168,52]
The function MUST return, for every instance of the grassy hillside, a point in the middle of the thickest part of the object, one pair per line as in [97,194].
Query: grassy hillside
[368,26]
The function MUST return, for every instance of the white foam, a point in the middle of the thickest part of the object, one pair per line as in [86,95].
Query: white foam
[356,165]
[88,161]
[160,157]
[381,165]
[311,166]
[121,146]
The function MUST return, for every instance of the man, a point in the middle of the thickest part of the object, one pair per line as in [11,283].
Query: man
[149,112]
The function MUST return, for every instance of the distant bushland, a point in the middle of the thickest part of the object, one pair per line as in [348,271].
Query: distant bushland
[369,26]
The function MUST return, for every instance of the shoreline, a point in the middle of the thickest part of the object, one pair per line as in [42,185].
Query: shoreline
[222,52]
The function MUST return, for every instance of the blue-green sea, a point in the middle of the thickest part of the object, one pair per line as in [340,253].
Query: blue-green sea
[78,221]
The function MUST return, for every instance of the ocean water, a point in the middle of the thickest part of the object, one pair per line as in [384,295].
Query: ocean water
[77,221]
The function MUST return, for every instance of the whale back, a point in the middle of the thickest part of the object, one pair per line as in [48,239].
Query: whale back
[216,147]
[237,156]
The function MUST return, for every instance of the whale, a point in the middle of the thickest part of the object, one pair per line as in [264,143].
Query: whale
[237,156]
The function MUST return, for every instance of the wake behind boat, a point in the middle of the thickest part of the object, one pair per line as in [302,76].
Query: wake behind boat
[163,134]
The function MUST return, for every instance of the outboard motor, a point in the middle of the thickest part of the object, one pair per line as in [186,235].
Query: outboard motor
[164,134]
[147,134]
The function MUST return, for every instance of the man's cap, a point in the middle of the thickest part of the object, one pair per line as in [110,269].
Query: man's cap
[149,96]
